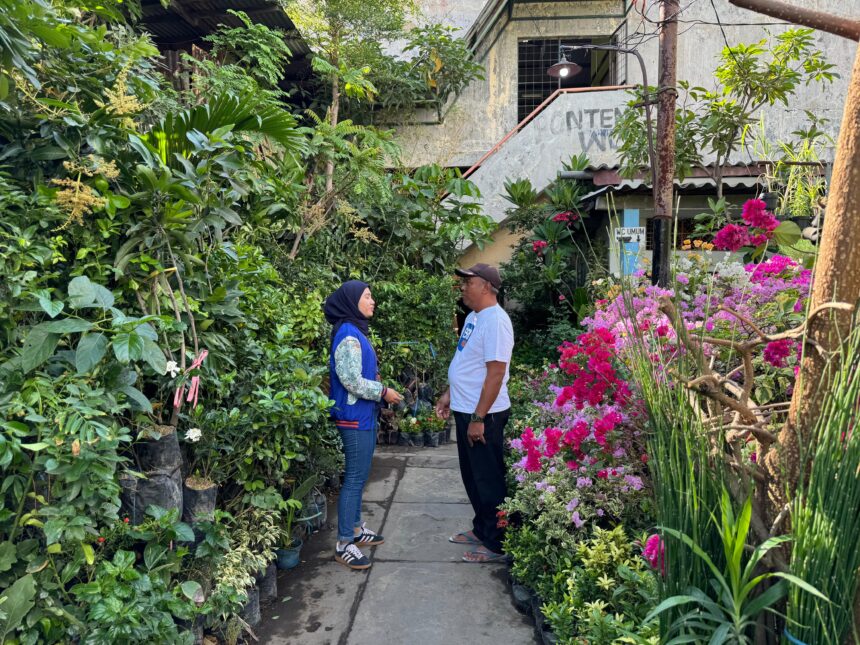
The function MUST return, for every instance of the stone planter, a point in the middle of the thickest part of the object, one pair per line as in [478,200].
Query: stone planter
[198,500]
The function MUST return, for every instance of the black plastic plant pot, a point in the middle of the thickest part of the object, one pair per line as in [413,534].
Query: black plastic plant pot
[160,488]
[771,200]
[802,221]
[417,439]
[199,497]
[522,598]
[268,583]
[159,454]
[403,439]
[128,500]
[548,636]
[431,439]
[251,611]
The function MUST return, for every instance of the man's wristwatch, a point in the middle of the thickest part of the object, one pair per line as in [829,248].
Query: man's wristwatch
[475,418]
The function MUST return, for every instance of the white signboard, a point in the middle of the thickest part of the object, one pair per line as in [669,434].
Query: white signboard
[634,234]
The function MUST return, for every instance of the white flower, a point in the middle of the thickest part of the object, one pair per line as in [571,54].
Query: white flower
[413,420]
[172,368]
[193,435]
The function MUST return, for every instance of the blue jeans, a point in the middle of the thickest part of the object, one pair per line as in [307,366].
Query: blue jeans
[358,447]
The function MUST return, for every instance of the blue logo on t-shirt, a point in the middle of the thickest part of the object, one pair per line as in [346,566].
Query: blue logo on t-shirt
[464,337]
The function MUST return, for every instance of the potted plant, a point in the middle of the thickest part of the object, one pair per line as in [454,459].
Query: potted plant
[434,430]
[413,430]
[206,451]
[288,555]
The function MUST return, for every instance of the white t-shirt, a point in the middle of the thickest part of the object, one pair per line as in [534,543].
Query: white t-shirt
[487,336]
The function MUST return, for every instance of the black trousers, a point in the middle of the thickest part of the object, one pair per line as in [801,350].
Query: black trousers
[483,470]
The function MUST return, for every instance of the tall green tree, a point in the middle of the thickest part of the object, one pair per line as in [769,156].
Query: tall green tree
[335,30]
[711,123]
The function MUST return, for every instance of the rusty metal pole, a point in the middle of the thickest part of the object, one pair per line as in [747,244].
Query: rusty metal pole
[845,27]
[666,95]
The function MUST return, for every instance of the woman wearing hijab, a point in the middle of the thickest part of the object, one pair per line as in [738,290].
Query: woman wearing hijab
[355,393]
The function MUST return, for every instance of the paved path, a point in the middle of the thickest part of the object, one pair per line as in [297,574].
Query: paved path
[417,592]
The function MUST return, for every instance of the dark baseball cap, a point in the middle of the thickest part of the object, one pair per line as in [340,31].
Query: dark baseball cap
[481,270]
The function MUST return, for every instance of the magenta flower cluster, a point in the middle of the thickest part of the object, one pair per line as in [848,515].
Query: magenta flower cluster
[759,227]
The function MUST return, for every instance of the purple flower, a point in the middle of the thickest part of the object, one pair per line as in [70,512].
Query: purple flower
[572,504]
[583,482]
[600,512]
[577,520]
[633,481]
[682,278]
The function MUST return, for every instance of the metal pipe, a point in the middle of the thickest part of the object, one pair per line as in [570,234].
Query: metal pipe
[660,272]
[646,102]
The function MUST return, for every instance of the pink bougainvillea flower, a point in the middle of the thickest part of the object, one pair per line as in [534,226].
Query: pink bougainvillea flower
[777,351]
[755,214]
[731,238]
[538,246]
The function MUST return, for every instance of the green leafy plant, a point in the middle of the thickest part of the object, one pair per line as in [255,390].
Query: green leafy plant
[729,610]
[713,122]
[607,592]
[823,552]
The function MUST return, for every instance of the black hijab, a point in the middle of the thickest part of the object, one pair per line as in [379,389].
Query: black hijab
[342,306]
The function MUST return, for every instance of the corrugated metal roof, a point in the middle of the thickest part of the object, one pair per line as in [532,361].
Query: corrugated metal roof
[186,22]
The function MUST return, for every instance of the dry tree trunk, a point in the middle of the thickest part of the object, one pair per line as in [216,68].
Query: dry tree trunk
[836,279]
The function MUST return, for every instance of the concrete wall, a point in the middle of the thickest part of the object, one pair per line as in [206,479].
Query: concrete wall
[578,121]
[495,253]
[487,110]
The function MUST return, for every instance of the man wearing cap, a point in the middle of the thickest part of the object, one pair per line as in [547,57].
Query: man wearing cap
[478,397]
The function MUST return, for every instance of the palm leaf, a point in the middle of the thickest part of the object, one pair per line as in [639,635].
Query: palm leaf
[224,113]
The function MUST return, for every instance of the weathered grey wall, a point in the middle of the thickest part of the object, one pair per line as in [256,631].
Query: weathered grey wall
[487,110]
[575,122]
[456,13]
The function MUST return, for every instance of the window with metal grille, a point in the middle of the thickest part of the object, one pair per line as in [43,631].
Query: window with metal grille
[685,229]
[536,56]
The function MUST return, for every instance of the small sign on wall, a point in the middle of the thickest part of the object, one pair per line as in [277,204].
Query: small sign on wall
[628,234]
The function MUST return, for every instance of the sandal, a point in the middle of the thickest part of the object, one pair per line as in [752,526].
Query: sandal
[483,555]
[464,537]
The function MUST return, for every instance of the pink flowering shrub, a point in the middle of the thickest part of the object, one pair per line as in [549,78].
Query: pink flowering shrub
[728,301]
[759,227]
[580,462]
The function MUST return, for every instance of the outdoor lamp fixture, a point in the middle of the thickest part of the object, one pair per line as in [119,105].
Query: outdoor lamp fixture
[566,69]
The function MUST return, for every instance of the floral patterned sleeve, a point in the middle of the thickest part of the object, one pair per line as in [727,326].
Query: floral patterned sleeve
[347,364]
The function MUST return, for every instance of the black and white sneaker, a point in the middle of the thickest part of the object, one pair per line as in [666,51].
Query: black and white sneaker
[368,537]
[351,557]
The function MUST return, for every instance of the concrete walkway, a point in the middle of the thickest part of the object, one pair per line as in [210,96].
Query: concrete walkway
[417,592]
